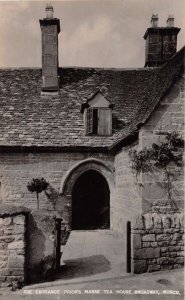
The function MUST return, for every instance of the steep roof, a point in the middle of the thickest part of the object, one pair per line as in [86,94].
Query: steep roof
[29,119]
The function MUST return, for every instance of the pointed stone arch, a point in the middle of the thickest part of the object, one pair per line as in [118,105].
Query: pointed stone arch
[88,164]
[72,175]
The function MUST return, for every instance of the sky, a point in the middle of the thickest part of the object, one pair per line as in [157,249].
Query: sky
[94,33]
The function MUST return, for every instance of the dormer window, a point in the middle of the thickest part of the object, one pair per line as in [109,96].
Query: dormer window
[98,116]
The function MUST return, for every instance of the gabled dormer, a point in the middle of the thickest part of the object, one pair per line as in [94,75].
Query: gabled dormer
[97,115]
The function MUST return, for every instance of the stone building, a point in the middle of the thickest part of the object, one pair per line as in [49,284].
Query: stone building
[76,126]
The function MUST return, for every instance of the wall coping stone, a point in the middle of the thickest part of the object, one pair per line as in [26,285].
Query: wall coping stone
[12,210]
[153,220]
[44,212]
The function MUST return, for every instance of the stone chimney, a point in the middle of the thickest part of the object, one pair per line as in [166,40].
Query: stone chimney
[161,42]
[170,21]
[154,21]
[50,28]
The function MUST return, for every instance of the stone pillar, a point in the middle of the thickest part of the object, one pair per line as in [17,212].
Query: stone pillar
[12,246]
[42,245]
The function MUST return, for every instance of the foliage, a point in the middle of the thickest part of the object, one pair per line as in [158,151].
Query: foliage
[140,160]
[160,156]
[37,185]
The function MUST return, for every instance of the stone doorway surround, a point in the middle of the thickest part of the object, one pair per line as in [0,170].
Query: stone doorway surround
[69,179]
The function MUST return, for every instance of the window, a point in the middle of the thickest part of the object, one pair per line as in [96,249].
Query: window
[99,121]
[97,115]
[92,120]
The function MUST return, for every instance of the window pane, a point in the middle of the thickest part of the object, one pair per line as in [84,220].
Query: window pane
[104,121]
[89,120]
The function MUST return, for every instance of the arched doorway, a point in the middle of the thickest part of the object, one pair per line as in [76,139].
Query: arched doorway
[90,202]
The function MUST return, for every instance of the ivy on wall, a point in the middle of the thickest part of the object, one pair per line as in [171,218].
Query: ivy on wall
[161,156]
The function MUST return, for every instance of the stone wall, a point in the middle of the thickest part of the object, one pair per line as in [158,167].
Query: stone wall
[137,194]
[16,169]
[127,201]
[167,117]
[157,242]
[29,245]
[12,245]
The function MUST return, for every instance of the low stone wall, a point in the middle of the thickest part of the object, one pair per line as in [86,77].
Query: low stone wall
[157,242]
[29,245]
[12,245]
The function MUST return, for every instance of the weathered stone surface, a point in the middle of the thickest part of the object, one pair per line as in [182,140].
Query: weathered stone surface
[19,229]
[173,254]
[163,243]
[176,221]
[166,221]
[14,278]
[19,237]
[177,236]
[153,268]
[8,231]
[5,284]
[2,279]
[16,245]
[152,261]
[7,239]
[171,230]
[148,221]
[135,231]
[180,243]
[164,249]
[146,244]
[19,220]
[180,253]
[3,257]
[163,237]
[147,253]
[155,230]
[3,264]
[15,261]
[8,210]
[41,245]
[5,221]
[163,260]
[178,266]
[174,248]
[2,245]
[179,260]
[148,238]
[157,220]
[154,244]
[166,267]
[181,220]
[136,241]
[165,254]
[140,266]
[138,222]
[5,272]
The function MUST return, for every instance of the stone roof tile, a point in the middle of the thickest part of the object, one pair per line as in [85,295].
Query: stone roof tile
[29,119]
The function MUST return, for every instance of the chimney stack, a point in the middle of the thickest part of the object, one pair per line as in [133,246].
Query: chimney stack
[161,42]
[50,28]
[49,11]
[154,20]
[170,21]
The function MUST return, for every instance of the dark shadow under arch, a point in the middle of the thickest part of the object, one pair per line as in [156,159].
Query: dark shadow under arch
[90,202]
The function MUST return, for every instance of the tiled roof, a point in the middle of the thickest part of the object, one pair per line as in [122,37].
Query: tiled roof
[29,119]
